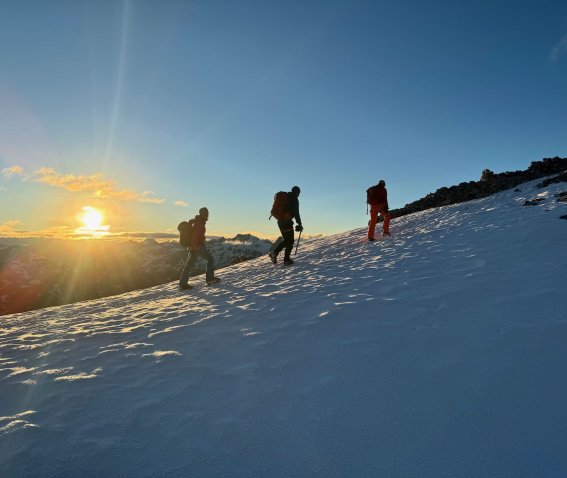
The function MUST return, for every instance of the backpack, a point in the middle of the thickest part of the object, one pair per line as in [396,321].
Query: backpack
[278,209]
[185,229]
[371,196]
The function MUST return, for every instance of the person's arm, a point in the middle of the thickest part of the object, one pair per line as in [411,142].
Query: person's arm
[296,212]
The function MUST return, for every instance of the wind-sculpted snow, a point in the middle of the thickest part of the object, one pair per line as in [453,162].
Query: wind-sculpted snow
[437,351]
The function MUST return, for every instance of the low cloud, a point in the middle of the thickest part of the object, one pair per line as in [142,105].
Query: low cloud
[559,50]
[8,173]
[13,230]
[181,204]
[143,235]
[94,184]
[12,227]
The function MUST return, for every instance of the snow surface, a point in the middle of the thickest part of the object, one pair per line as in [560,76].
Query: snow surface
[438,352]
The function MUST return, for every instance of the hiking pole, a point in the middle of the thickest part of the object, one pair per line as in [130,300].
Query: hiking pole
[295,253]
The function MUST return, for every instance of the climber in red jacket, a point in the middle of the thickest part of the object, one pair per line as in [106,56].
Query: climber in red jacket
[377,198]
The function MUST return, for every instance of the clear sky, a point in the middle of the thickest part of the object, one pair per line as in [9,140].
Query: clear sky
[148,110]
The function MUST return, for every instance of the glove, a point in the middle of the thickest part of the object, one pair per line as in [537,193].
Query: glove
[299,228]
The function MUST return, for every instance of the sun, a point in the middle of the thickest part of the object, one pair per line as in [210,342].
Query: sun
[92,220]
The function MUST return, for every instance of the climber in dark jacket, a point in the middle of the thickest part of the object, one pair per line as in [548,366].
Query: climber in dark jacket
[198,248]
[286,226]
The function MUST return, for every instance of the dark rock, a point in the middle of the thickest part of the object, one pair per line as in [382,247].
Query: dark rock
[490,183]
[244,237]
[150,242]
[560,178]
[533,202]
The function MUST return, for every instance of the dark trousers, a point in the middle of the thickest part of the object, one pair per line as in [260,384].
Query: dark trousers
[286,228]
[191,258]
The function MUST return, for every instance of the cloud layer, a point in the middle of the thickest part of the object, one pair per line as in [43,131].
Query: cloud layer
[8,173]
[10,228]
[95,184]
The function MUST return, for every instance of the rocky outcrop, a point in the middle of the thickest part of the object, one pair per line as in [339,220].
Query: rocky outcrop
[490,183]
[560,178]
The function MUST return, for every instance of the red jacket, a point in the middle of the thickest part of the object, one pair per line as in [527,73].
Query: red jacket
[198,238]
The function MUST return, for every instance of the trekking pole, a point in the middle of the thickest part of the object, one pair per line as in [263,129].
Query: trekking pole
[295,253]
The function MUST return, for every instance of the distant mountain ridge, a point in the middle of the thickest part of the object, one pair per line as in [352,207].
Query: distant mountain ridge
[47,274]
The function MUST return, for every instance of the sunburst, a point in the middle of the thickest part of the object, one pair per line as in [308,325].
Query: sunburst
[92,220]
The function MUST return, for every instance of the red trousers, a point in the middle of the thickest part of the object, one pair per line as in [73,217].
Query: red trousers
[376,209]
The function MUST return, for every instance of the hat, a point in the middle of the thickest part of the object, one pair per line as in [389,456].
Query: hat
[203,211]
[382,182]
[295,189]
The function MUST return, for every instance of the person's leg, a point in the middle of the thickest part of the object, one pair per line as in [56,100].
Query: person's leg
[286,226]
[279,247]
[187,269]
[386,215]
[210,271]
[373,221]
[289,239]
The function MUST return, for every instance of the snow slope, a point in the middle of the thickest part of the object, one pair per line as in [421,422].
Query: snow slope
[438,352]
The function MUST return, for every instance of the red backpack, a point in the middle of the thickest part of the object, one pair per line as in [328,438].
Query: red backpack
[278,209]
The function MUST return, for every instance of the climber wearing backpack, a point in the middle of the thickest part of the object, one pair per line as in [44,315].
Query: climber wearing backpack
[197,248]
[285,210]
[377,198]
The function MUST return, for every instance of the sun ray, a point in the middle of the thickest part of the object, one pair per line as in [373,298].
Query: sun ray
[121,67]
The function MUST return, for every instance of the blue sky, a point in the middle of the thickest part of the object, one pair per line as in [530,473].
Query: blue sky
[223,103]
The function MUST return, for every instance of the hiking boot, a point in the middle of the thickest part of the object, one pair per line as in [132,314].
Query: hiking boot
[185,287]
[371,239]
[273,257]
[386,233]
[288,261]
[214,280]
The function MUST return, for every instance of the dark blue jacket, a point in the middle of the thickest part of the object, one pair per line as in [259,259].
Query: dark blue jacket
[292,207]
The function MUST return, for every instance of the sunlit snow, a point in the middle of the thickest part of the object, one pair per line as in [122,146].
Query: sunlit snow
[437,352]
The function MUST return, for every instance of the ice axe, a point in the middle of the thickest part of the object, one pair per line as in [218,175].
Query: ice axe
[297,245]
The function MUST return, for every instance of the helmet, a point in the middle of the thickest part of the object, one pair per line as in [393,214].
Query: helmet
[203,211]
[296,190]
